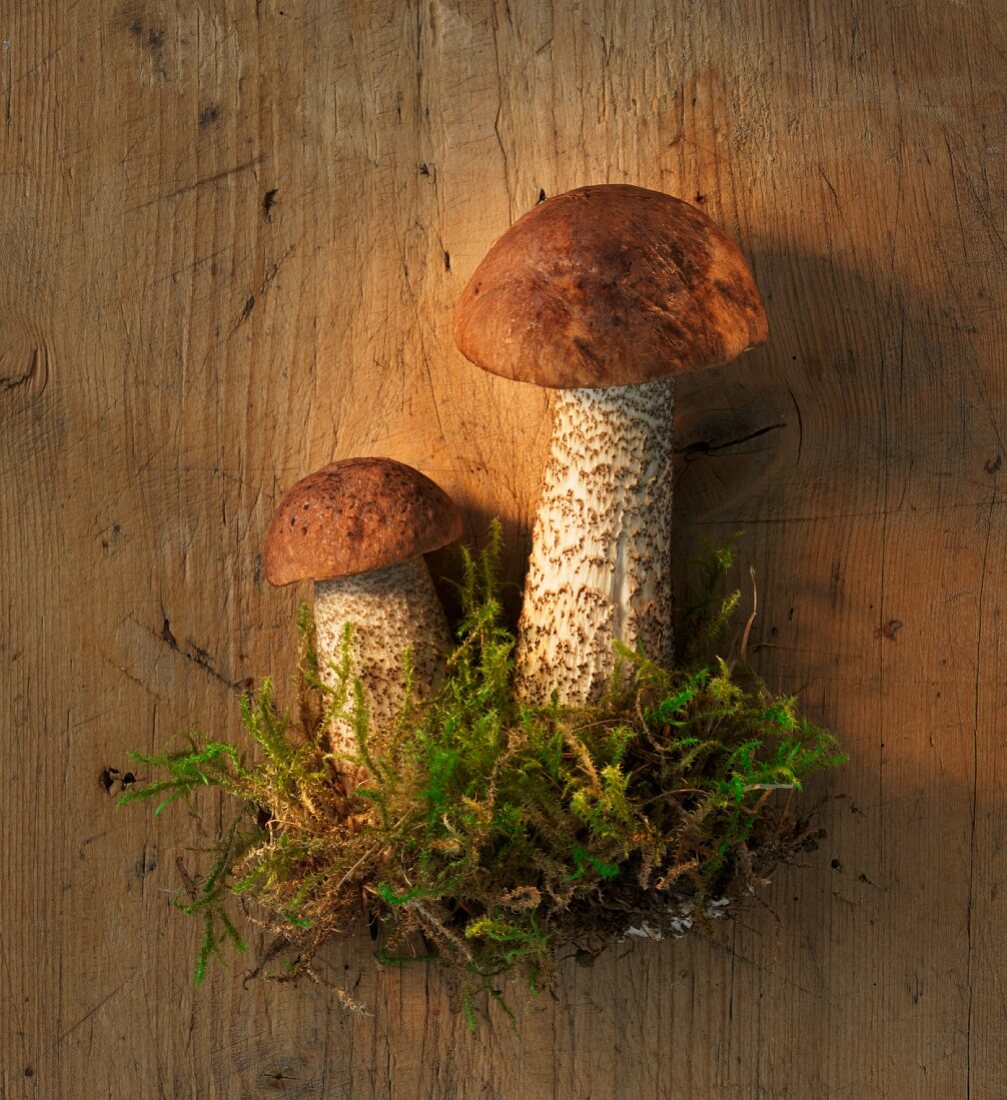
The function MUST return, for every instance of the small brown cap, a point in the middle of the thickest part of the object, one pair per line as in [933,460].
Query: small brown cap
[356,515]
[608,286]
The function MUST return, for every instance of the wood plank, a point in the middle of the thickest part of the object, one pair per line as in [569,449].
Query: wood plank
[231,237]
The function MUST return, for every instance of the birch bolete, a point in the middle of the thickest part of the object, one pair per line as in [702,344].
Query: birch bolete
[359,529]
[605,293]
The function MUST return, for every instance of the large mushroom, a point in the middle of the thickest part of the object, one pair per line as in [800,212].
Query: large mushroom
[359,529]
[605,293]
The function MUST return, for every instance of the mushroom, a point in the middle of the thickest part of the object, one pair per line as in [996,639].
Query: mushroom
[359,529]
[605,293]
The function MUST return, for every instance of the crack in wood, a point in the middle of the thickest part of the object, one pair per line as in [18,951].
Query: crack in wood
[704,447]
[36,367]
[197,655]
[215,178]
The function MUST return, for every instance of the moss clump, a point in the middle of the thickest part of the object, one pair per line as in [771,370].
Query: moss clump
[486,833]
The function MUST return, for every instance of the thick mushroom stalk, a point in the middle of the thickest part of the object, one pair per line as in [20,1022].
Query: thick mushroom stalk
[605,293]
[388,611]
[359,529]
[600,567]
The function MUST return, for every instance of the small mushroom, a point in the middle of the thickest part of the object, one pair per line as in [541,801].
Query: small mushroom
[359,529]
[605,293]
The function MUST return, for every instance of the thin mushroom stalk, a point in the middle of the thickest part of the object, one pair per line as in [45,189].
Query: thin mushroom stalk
[600,566]
[605,293]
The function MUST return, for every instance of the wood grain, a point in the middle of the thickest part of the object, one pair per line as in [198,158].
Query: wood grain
[231,237]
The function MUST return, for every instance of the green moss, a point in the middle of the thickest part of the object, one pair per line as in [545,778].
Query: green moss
[488,833]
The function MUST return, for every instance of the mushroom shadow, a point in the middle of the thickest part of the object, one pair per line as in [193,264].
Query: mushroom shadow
[849,413]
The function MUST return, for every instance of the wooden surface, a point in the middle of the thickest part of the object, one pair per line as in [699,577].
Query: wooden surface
[231,236]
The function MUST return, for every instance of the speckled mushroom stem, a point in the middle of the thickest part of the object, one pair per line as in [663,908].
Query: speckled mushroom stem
[390,610]
[600,566]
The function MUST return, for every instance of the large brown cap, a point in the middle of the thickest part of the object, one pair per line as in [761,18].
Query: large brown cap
[356,515]
[607,286]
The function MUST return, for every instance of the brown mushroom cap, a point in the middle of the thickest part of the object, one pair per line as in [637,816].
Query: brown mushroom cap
[608,286]
[357,515]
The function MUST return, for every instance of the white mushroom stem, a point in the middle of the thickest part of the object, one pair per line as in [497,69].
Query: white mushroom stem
[600,567]
[389,611]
